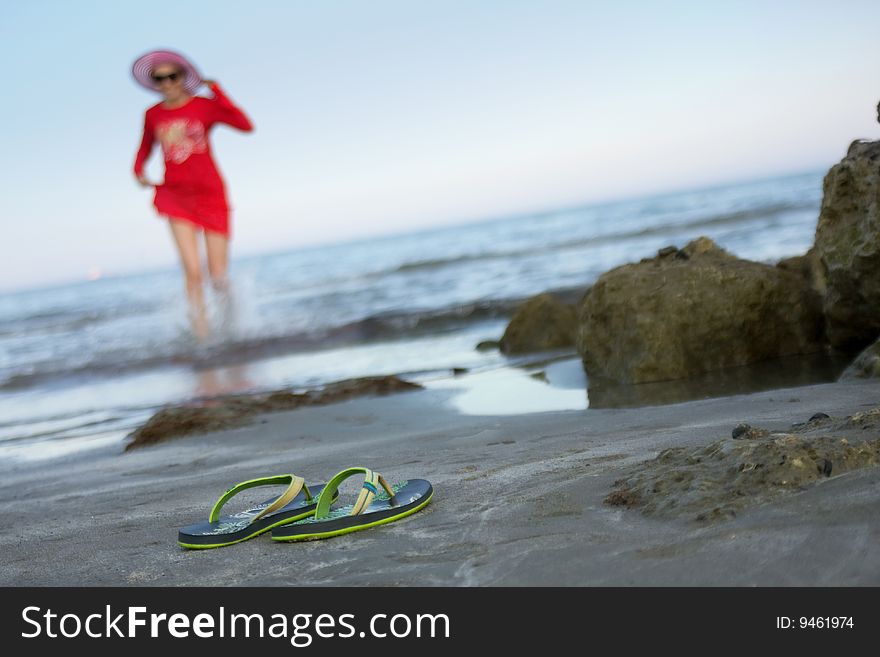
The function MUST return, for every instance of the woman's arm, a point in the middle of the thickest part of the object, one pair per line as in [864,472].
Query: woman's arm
[144,152]
[226,112]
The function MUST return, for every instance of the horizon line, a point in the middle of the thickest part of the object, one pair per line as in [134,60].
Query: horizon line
[473,221]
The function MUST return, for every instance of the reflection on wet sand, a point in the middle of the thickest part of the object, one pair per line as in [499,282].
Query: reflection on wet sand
[222,381]
[787,372]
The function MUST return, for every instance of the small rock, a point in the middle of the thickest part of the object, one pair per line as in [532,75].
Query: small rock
[825,467]
[819,416]
[747,432]
[740,430]
[625,497]
[488,345]
[541,323]
[667,251]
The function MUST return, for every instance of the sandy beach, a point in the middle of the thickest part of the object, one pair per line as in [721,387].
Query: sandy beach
[519,501]
[606,276]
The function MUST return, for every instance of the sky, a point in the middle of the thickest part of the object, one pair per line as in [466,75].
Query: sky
[382,117]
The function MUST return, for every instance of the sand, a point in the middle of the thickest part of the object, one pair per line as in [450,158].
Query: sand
[519,500]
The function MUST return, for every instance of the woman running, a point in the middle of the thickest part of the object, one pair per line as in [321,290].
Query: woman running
[192,196]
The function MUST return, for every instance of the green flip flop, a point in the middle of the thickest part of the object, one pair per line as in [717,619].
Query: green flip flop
[295,503]
[371,508]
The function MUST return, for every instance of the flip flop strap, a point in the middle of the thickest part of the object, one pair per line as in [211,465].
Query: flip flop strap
[296,484]
[368,491]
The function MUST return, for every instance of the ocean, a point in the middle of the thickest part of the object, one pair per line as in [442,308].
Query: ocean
[83,364]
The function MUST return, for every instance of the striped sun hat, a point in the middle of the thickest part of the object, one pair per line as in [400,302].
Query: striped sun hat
[142,69]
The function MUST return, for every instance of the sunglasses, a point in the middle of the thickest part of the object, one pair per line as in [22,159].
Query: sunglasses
[171,77]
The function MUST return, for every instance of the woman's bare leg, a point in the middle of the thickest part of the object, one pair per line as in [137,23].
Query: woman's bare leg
[217,246]
[185,238]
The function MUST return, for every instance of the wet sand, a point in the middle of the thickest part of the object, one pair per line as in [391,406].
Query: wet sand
[519,501]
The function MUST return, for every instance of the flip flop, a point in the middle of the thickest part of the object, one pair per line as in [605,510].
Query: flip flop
[293,504]
[372,507]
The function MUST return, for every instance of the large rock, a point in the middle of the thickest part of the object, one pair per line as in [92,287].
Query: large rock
[692,311]
[848,246]
[542,322]
[809,267]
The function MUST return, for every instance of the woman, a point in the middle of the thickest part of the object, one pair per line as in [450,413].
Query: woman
[193,196]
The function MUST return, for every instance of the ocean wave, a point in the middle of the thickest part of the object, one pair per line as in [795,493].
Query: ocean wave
[727,218]
[344,314]
[62,320]
[444,262]
[379,327]
[23,432]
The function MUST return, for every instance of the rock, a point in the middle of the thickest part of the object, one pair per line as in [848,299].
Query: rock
[666,318]
[740,430]
[236,410]
[714,482]
[623,497]
[815,419]
[542,322]
[808,266]
[488,345]
[866,365]
[848,246]
[704,246]
[747,432]
[864,420]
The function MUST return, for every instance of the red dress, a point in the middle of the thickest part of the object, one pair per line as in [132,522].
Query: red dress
[193,189]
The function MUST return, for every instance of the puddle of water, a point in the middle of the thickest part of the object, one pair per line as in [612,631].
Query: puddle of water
[560,386]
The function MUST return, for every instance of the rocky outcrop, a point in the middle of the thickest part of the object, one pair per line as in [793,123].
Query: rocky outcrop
[716,481]
[542,322]
[808,267]
[848,247]
[232,411]
[694,310]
